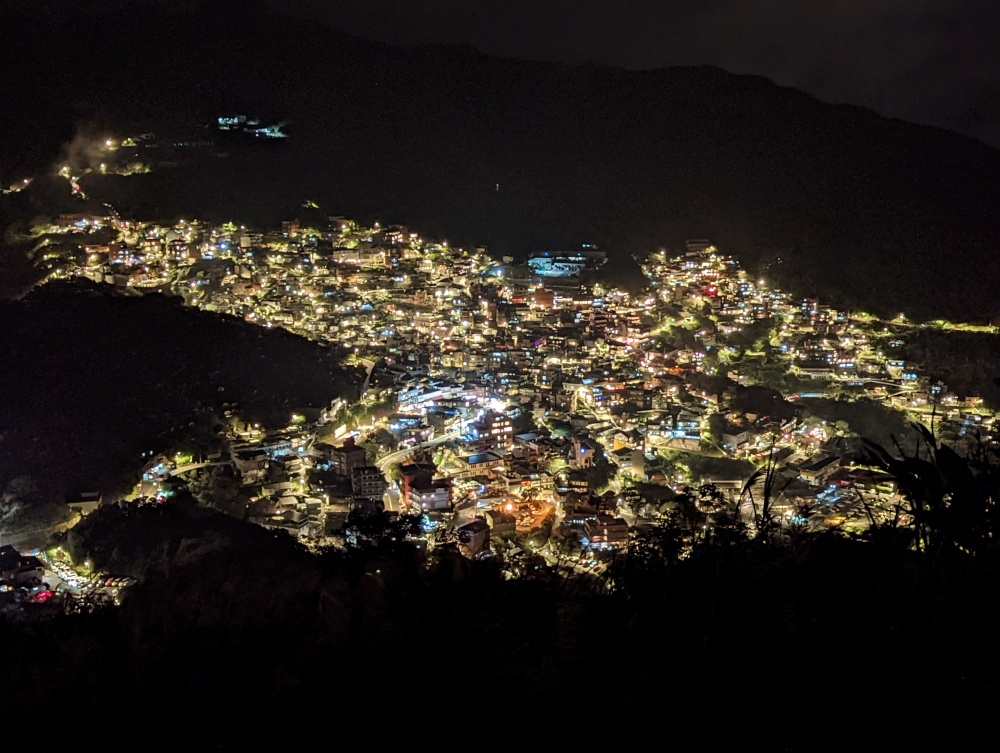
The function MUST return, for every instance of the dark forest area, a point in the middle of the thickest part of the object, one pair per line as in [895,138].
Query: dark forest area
[93,380]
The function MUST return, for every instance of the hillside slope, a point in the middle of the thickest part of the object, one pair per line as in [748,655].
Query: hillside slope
[861,209]
[90,381]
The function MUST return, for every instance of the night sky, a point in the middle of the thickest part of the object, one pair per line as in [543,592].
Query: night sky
[927,61]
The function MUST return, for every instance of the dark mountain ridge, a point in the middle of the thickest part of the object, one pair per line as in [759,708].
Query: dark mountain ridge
[863,210]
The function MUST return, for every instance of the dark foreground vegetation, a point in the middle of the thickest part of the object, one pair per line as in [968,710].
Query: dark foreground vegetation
[714,634]
[90,380]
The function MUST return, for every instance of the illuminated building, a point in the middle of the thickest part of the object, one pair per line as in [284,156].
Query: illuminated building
[605,532]
[473,537]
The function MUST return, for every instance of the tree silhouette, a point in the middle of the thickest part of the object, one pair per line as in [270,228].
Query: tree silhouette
[765,521]
[953,500]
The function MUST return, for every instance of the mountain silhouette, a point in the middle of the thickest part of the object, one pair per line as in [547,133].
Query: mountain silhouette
[861,210]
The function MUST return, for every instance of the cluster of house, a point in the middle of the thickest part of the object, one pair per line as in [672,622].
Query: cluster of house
[511,387]
[17,569]
[20,580]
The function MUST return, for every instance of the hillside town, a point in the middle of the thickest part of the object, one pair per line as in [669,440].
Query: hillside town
[527,410]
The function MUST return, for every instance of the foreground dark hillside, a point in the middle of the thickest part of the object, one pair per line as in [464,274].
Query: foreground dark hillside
[861,209]
[91,379]
[234,627]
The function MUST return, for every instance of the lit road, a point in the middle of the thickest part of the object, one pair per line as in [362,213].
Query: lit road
[399,455]
[194,466]
[391,499]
